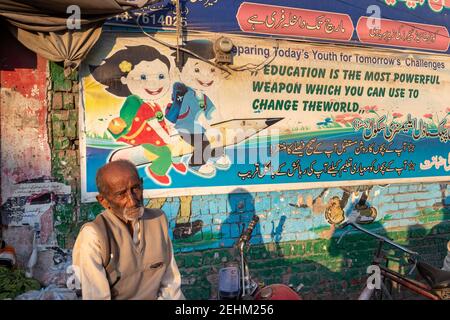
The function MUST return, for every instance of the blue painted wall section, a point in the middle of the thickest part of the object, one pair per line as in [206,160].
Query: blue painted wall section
[224,215]
[295,244]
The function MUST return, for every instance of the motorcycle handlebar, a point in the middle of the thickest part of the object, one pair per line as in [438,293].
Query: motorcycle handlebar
[381,238]
[247,234]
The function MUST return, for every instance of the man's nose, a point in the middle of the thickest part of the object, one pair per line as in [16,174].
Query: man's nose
[132,200]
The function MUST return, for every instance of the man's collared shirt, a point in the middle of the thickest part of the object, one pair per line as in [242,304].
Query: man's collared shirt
[92,274]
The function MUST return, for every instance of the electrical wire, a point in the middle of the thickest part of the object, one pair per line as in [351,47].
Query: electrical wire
[256,67]
[175,48]
[246,67]
[227,69]
[178,15]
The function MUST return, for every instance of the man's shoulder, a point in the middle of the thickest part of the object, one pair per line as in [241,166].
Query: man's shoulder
[156,215]
[156,218]
[94,227]
[152,213]
[90,232]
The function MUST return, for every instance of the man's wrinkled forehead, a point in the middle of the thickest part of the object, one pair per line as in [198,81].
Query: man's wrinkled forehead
[118,174]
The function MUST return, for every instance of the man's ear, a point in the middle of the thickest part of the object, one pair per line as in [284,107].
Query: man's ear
[102,200]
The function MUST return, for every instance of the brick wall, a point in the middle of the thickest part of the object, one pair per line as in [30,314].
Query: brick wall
[63,111]
[304,251]
[291,245]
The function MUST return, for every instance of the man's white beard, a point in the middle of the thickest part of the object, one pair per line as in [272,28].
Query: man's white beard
[133,214]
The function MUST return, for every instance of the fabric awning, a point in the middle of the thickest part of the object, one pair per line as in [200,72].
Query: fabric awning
[41,25]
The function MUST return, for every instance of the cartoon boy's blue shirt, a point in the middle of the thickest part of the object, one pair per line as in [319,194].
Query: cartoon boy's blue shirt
[191,108]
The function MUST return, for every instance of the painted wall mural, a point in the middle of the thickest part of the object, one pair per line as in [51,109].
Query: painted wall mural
[306,215]
[295,244]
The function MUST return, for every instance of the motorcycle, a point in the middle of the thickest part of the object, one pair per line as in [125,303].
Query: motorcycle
[235,282]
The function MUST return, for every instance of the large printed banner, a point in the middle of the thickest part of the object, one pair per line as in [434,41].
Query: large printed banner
[284,115]
[411,24]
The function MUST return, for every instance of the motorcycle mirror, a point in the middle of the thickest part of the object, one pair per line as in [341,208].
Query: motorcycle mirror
[364,219]
[356,217]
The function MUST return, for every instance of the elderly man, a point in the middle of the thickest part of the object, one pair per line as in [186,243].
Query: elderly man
[126,252]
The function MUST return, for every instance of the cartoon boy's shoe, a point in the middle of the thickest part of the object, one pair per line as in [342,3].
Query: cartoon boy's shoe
[223,163]
[163,180]
[207,170]
[180,167]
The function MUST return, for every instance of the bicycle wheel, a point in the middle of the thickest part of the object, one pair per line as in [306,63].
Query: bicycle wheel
[366,294]
[385,292]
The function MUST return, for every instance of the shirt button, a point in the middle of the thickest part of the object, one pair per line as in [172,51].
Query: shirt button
[158,142]
[133,141]
[148,129]
[136,119]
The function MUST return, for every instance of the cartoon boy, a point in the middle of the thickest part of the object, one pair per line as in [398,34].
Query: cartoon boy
[141,73]
[190,101]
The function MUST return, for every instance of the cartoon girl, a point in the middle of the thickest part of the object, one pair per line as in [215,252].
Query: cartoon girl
[141,74]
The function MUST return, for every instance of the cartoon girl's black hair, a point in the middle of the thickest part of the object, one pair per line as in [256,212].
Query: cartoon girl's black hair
[202,47]
[109,73]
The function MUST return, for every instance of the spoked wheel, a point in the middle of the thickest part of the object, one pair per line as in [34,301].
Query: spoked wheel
[385,292]
[382,293]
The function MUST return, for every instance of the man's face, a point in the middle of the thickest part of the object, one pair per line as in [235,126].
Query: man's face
[123,194]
